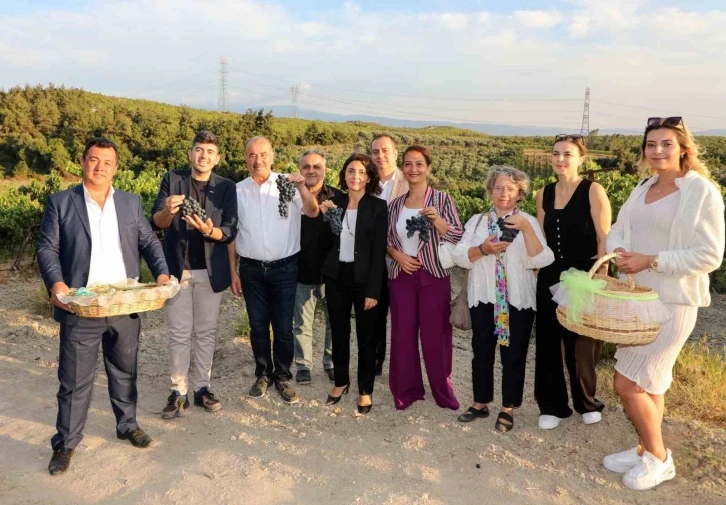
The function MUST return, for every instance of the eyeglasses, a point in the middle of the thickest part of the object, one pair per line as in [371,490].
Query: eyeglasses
[665,121]
[502,189]
[568,136]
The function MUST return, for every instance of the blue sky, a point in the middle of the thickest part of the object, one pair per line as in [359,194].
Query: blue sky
[515,62]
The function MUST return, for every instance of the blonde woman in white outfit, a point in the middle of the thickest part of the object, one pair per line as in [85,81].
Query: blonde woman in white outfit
[670,234]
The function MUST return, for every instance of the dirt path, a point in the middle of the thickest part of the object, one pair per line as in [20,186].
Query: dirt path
[264,452]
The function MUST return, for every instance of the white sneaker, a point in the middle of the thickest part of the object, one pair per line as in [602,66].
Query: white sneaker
[549,422]
[591,417]
[650,472]
[622,461]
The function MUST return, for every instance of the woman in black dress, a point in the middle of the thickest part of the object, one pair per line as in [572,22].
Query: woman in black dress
[575,216]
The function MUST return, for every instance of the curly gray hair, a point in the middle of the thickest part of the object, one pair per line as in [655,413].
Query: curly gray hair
[518,177]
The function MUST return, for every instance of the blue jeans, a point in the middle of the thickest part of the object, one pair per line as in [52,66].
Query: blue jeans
[269,294]
[307,297]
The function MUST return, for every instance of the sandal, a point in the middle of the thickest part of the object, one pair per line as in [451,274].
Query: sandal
[473,413]
[505,422]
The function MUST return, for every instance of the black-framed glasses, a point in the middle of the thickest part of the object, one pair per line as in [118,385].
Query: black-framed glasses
[568,136]
[665,121]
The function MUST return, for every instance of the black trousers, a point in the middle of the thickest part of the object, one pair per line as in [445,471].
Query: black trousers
[119,338]
[514,357]
[342,295]
[380,325]
[581,357]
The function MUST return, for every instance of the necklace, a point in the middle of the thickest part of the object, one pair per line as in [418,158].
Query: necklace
[347,224]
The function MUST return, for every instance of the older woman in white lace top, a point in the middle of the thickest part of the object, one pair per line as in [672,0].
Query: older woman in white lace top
[502,248]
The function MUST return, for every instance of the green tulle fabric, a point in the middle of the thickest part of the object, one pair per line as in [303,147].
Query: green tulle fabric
[581,291]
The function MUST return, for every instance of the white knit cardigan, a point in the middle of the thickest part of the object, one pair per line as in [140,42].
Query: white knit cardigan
[696,242]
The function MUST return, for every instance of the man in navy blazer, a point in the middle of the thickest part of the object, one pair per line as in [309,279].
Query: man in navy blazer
[196,251]
[92,234]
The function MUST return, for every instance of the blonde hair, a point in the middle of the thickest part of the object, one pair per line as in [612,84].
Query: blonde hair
[518,177]
[689,148]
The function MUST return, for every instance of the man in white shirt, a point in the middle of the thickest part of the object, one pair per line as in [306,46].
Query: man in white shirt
[91,235]
[385,155]
[268,245]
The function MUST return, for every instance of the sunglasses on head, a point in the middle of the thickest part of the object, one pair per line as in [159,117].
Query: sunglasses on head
[568,136]
[665,121]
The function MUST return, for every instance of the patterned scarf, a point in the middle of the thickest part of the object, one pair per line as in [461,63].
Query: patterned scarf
[501,304]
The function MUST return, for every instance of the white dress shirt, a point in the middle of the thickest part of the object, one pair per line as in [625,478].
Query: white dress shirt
[347,237]
[519,266]
[107,260]
[387,188]
[408,245]
[263,234]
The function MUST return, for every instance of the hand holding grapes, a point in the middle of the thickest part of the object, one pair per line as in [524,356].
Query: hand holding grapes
[327,205]
[297,179]
[203,227]
[174,203]
[436,220]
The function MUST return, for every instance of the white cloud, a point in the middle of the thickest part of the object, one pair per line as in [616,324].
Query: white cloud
[449,20]
[537,19]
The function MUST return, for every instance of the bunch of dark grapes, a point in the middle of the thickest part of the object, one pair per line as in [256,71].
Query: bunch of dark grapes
[287,192]
[508,234]
[190,207]
[335,218]
[420,224]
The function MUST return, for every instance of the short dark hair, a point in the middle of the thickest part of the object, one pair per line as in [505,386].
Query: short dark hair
[101,143]
[418,149]
[372,186]
[205,137]
[384,136]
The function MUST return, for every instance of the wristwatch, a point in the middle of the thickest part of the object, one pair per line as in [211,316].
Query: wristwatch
[207,235]
[653,265]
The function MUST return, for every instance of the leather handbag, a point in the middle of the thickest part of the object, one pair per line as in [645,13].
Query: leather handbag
[460,314]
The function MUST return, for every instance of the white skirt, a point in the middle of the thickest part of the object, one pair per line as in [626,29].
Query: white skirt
[651,366]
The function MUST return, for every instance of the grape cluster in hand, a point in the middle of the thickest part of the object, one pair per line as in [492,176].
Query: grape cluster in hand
[190,207]
[335,218]
[287,192]
[508,234]
[420,224]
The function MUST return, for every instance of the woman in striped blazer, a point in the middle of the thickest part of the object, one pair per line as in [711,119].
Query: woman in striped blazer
[420,287]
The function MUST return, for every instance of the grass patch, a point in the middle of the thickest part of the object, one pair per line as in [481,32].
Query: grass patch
[699,384]
[242,326]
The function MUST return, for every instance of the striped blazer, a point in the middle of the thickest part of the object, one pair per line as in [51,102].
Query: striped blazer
[428,252]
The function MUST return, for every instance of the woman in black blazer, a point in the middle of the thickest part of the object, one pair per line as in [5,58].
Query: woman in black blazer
[353,272]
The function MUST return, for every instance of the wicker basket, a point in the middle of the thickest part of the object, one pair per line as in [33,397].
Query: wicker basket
[117,309]
[612,319]
[128,300]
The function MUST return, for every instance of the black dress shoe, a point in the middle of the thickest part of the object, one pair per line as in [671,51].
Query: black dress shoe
[60,461]
[364,409]
[138,437]
[335,399]
[505,422]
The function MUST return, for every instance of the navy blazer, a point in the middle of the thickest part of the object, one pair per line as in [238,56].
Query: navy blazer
[64,244]
[371,228]
[221,208]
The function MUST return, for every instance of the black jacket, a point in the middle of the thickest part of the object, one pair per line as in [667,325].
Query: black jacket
[64,244]
[312,229]
[370,244]
[221,208]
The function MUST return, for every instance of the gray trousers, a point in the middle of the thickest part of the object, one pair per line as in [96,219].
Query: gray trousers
[306,298]
[119,338]
[191,319]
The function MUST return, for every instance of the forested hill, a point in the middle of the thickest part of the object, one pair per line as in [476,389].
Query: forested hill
[43,131]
